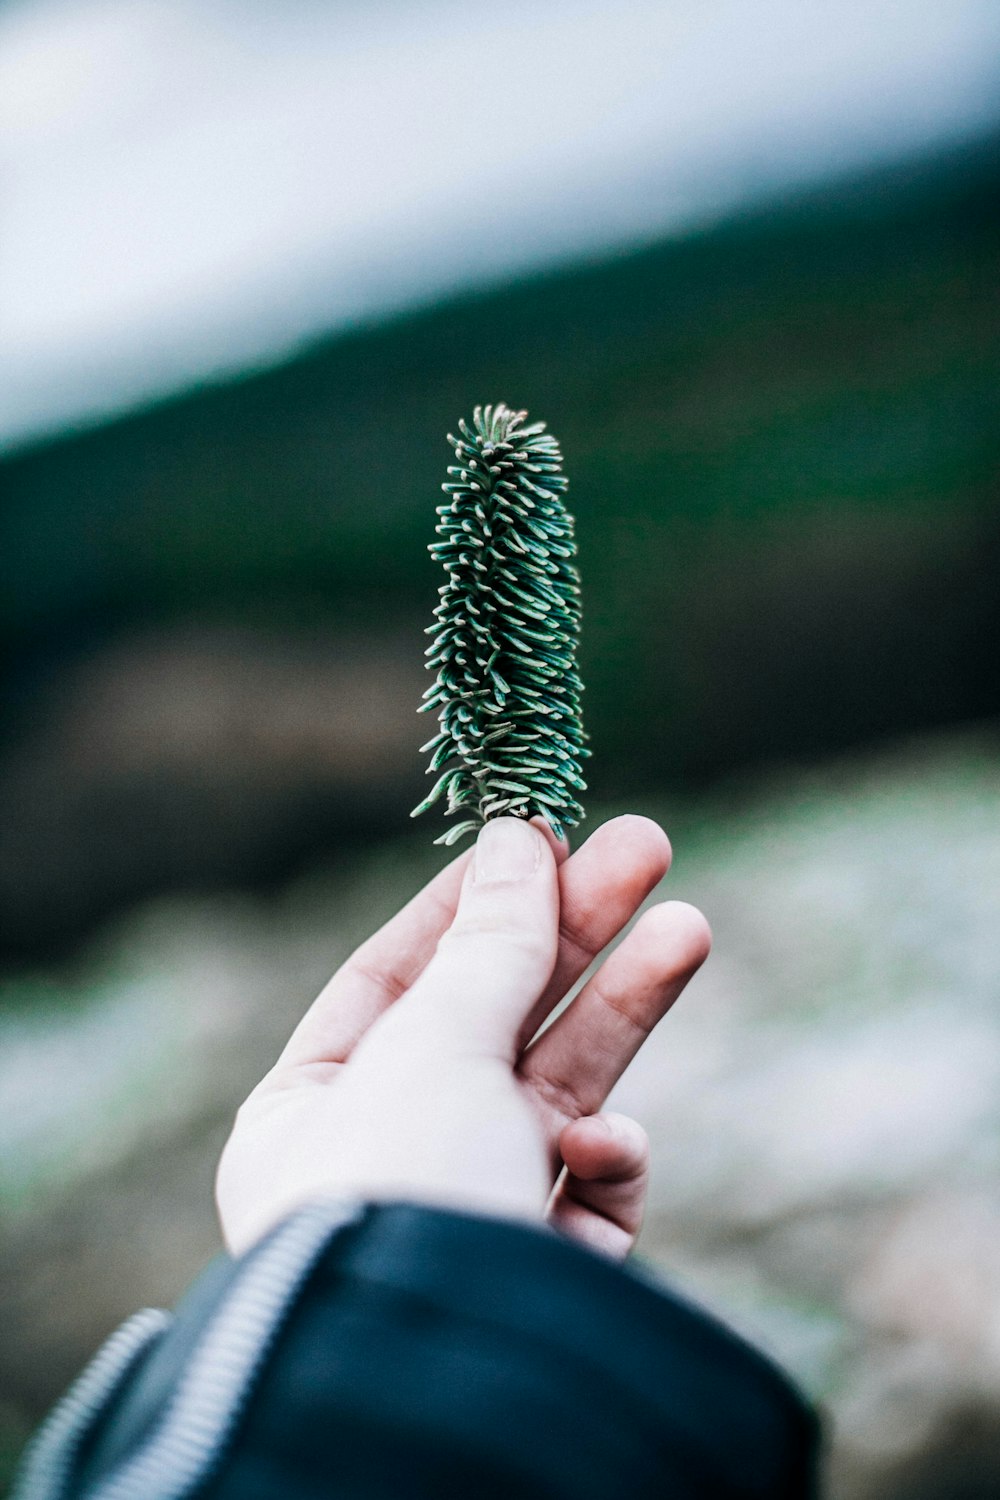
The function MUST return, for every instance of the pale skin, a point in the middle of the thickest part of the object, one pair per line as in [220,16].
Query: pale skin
[417,1074]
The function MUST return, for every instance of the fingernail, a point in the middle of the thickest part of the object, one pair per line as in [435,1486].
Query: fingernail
[507,849]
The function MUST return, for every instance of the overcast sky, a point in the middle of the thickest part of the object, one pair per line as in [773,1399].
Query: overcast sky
[192,186]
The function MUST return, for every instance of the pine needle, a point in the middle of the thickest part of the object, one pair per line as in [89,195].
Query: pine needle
[507,689]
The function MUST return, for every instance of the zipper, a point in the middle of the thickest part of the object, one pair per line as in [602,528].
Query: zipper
[48,1459]
[200,1417]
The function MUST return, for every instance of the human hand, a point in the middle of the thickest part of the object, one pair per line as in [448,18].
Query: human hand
[417,1073]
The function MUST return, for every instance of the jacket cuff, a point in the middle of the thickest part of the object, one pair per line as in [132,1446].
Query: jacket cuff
[357,1343]
[549,1364]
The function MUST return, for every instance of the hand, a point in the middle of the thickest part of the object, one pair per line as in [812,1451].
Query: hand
[417,1073]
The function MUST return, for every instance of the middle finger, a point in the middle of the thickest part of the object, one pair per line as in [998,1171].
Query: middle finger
[575,1064]
[601,887]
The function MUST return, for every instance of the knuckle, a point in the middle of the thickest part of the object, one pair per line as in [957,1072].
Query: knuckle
[627,1130]
[558,1095]
[496,930]
[634,1143]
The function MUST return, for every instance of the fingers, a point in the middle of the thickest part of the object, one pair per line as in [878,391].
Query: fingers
[601,887]
[575,1063]
[601,1197]
[498,953]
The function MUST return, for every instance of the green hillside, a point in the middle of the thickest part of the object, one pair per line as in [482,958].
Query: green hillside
[782,440]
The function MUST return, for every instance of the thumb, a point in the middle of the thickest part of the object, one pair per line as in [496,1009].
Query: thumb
[499,952]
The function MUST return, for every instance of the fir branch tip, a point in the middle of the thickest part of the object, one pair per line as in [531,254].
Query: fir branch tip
[507,689]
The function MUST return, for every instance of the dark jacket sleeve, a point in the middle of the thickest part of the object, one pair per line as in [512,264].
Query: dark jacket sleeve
[400,1351]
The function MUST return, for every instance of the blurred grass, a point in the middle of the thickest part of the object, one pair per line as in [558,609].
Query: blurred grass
[782,441]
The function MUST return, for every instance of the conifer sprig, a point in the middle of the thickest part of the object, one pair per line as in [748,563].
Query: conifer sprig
[507,689]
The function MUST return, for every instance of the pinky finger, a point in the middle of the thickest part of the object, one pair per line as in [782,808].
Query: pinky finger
[600,1198]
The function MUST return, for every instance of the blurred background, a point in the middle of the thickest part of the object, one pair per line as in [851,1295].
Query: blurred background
[257,258]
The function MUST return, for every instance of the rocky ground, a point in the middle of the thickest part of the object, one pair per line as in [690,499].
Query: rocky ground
[824,1104]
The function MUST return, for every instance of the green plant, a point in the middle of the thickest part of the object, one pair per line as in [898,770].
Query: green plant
[508,692]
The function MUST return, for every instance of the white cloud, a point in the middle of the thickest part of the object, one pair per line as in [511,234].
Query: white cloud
[193,186]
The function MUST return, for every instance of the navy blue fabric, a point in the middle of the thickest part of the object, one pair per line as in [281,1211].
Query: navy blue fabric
[432,1353]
